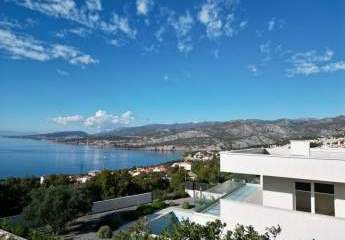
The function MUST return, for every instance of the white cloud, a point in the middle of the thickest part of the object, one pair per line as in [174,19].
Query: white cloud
[71,54]
[182,25]
[144,6]
[243,24]
[126,118]
[158,34]
[118,25]
[218,16]
[23,46]
[333,67]
[253,68]
[312,62]
[271,24]
[10,23]
[54,7]
[100,120]
[94,5]
[81,32]
[62,73]
[87,15]
[266,49]
[64,120]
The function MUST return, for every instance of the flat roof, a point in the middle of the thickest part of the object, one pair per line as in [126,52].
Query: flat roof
[284,151]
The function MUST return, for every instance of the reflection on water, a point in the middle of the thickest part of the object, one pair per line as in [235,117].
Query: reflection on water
[23,157]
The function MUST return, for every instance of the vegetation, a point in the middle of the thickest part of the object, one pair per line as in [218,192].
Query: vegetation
[55,206]
[120,218]
[104,232]
[206,171]
[187,205]
[193,231]
[59,199]
[14,194]
[25,231]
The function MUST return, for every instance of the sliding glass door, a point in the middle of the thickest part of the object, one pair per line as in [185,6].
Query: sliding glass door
[314,198]
[303,196]
[324,199]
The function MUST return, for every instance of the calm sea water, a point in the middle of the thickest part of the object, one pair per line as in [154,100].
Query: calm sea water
[22,157]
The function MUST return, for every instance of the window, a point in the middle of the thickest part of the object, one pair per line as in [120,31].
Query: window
[324,199]
[303,196]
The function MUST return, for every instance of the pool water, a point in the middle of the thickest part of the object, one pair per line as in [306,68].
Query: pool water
[238,195]
[163,223]
[166,222]
[242,193]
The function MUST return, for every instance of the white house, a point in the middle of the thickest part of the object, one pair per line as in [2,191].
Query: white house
[302,189]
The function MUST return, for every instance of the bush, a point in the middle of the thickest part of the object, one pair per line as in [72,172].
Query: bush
[187,205]
[158,204]
[104,232]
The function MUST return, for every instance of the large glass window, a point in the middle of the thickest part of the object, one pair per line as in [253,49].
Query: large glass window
[324,199]
[303,196]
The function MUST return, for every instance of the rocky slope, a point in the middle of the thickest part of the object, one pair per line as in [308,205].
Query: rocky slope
[217,135]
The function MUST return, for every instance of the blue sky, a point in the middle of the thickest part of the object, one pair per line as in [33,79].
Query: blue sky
[97,65]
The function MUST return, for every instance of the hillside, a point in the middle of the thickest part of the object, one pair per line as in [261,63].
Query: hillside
[217,135]
[58,135]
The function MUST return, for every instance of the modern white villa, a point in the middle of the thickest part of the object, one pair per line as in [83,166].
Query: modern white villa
[301,188]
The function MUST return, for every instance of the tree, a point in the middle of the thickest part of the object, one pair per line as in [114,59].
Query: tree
[104,232]
[14,194]
[214,231]
[207,171]
[55,206]
[187,230]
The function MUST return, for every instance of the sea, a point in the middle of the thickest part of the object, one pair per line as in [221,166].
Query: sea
[26,157]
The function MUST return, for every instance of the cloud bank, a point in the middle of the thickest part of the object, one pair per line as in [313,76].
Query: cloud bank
[101,120]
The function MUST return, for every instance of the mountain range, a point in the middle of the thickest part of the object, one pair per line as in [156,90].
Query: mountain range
[207,135]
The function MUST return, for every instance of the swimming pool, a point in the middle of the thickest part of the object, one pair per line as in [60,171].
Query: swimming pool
[167,221]
[238,195]
[243,192]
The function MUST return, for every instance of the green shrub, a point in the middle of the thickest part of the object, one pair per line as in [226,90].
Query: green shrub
[104,232]
[187,205]
[158,204]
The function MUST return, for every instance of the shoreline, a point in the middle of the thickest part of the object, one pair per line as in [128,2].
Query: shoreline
[94,170]
[129,148]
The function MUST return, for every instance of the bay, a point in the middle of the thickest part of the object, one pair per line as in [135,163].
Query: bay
[25,157]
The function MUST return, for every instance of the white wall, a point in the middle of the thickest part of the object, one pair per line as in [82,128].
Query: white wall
[331,170]
[339,204]
[278,192]
[295,225]
[298,147]
[121,202]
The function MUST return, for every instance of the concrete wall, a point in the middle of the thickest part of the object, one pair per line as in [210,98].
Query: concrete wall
[339,204]
[278,192]
[122,202]
[295,225]
[300,147]
[330,170]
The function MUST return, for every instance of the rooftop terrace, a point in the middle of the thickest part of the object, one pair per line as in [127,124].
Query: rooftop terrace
[292,150]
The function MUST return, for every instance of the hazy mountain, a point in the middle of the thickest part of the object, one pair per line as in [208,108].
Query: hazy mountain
[209,135]
[58,135]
